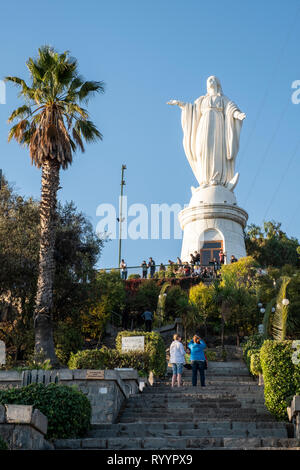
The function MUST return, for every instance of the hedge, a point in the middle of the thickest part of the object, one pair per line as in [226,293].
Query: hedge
[281,376]
[255,365]
[67,409]
[105,358]
[250,347]
[154,346]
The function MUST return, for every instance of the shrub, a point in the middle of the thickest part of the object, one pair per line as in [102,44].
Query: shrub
[134,276]
[154,346]
[250,353]
[211,355]
[280,376]
[252,344]
[255,366]
[105,358]
[67,409]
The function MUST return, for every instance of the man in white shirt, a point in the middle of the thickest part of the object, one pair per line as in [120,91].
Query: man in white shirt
[177,359]
[123,267]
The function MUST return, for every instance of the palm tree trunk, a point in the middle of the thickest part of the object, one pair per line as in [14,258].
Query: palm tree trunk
[44,343]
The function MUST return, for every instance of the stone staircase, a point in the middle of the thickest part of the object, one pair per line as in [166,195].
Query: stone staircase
[228,413]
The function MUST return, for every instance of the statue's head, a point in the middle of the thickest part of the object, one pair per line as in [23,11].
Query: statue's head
[214,84]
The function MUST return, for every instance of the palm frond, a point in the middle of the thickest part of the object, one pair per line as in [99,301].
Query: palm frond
[78,139]
[20,112]
[88,89]
[18,130]
[267,316]
[72,109]
[88,130]
[281,313]
[16,81]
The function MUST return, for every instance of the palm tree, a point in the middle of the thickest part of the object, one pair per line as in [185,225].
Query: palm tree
[53,125]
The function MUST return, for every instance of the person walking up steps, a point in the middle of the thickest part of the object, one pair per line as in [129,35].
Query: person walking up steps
[197,347]
[177,359]
[148,317]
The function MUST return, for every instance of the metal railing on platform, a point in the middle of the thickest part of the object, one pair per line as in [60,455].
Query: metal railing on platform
[166,270]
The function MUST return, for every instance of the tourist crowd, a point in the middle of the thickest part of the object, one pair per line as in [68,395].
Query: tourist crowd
[192,268]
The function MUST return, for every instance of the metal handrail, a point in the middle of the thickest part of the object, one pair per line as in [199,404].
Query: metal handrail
[157,266]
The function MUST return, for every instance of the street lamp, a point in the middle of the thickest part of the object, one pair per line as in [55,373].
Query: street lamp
[285,302]
[121,218]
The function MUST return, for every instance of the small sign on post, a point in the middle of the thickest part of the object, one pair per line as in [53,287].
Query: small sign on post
[2,353]
[133,343]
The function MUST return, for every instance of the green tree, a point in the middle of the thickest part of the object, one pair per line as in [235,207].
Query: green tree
[146,298]
[201,297]
[223,296]
[53,125]
[109,298]
[244,316]
[270,246]
[77,248]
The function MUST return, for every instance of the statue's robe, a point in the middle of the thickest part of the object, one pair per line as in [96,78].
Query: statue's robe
[211,138]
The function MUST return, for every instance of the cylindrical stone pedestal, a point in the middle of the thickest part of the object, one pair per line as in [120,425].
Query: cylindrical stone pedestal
[213,219]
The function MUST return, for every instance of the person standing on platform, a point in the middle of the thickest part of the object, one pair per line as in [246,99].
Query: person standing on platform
[123,267]
[222,257]
[144,269]
[151,265]
[197,258]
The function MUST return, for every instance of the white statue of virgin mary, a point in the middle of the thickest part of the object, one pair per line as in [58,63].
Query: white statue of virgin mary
[211,133]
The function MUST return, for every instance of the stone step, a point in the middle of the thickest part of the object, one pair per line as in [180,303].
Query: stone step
[182,405]
[185,412]
[226,425]
[130,418]
[198,389]
[177,443]
[190,403]
[208,380]
[207,431]
[227,375]
[196,393]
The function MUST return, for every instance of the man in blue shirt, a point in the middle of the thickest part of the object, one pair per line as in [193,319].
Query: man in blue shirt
[197,347]
[148,316]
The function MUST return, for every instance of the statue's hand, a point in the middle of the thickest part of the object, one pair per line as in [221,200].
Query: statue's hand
[240,116]
[175,102]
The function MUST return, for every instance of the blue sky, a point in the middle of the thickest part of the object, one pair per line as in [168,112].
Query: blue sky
[148,52]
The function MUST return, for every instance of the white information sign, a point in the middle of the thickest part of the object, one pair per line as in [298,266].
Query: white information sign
[133,343]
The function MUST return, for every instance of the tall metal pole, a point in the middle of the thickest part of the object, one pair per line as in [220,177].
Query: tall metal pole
[120,219]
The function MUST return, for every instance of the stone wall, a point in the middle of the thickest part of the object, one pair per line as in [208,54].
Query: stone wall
[21,428]
[106,390]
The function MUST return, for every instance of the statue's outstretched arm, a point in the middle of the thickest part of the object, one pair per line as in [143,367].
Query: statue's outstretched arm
[176,102]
